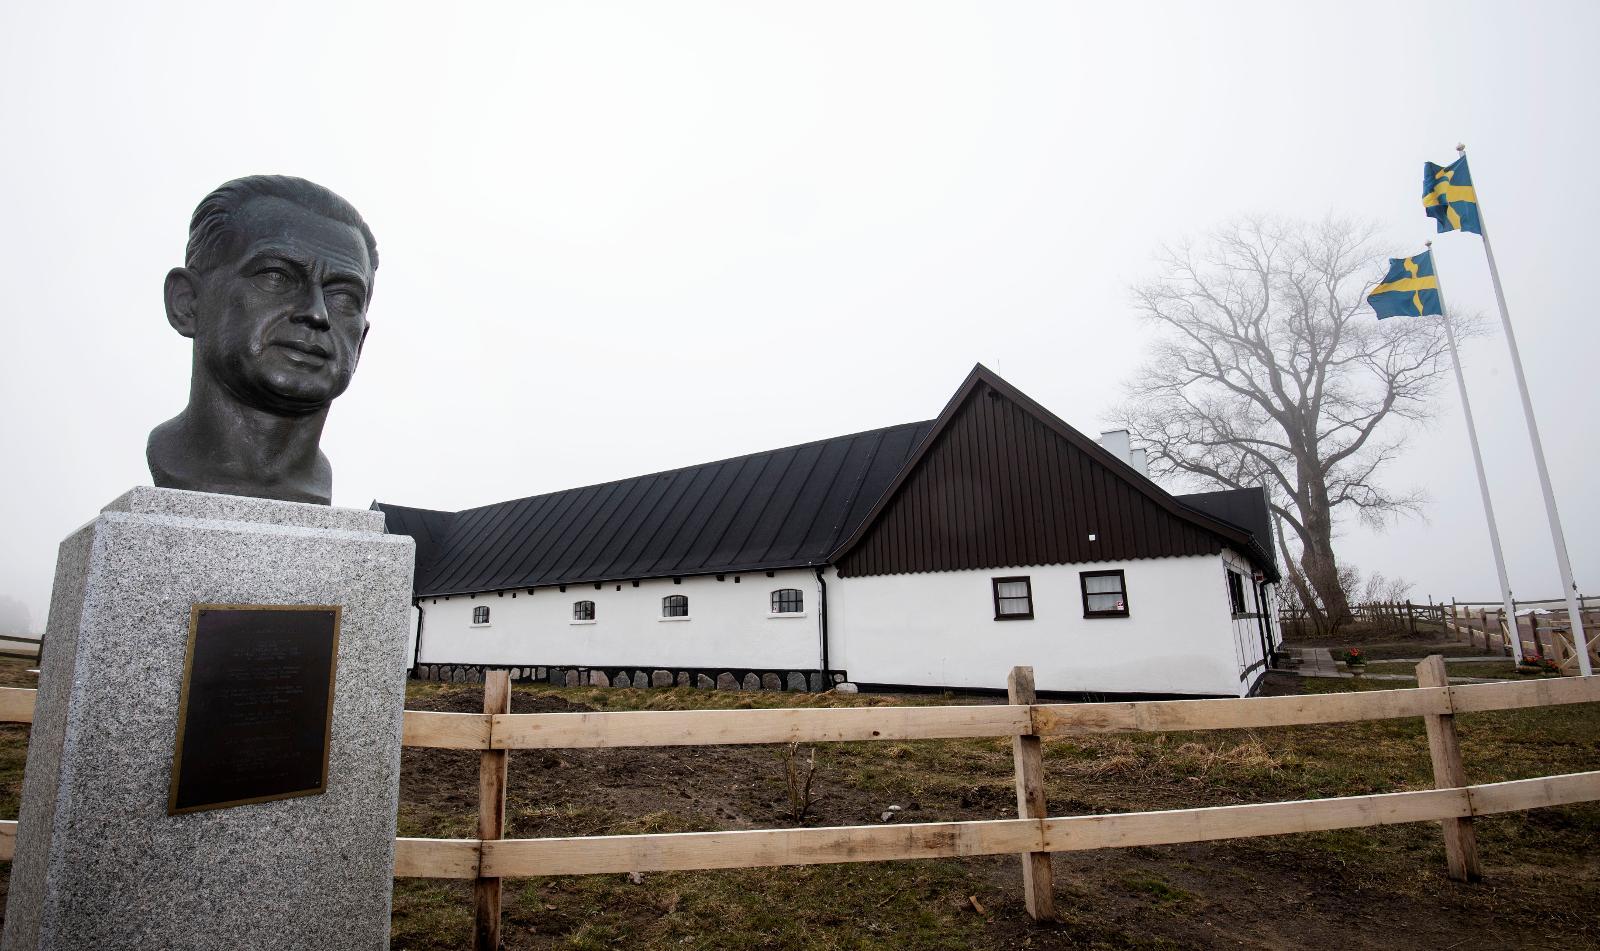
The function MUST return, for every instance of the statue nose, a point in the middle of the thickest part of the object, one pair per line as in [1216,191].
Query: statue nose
[314,312]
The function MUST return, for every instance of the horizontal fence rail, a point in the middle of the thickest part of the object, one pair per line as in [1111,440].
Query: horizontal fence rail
[757,848]
[12,646]
[477,731]
[491,858]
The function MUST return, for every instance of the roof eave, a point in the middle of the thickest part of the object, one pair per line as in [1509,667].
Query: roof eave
[653,576]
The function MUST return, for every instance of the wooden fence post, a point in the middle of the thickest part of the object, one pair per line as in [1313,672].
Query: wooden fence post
[1460,840]
[491,814]
[1411,616]
[1038,882]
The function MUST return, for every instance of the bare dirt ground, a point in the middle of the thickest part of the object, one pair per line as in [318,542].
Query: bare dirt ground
[1365,888]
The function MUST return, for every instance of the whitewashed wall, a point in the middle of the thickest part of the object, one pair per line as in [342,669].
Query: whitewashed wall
[729,625]
[939,629]
[1246,630]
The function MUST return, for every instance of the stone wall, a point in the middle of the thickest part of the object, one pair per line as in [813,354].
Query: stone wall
[702,678]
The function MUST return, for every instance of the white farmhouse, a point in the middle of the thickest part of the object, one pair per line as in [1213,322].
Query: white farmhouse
[937,554]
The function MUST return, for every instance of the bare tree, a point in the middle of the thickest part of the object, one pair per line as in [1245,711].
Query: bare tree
[1382,588]
[1374,588]
[1271,371]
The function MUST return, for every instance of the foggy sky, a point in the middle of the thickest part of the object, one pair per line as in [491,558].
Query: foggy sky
[620,238]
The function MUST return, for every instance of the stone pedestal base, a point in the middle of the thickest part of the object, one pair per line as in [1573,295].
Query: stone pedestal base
[99,862]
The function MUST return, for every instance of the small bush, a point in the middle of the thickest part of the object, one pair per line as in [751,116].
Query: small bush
[797,776]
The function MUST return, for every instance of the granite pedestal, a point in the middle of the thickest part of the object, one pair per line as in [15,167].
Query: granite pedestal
[99,863]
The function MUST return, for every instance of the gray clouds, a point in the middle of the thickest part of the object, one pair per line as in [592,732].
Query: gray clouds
[620,238]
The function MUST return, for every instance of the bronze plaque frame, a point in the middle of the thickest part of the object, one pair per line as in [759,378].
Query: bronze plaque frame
[178,789]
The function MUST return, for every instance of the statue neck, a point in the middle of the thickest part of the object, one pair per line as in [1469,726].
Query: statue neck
[219,444]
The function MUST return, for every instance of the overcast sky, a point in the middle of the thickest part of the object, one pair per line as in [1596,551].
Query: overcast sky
[619,238]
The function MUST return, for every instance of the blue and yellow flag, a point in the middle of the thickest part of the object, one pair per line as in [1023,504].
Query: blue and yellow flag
[1410,289]
[1448,196]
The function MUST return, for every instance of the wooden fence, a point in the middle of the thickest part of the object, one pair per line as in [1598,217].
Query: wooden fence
[1034,835]
[1548,636]
[1405,614]
[14,647]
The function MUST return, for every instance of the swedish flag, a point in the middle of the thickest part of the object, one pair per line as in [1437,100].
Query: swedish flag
[1410,289]
[1448,196]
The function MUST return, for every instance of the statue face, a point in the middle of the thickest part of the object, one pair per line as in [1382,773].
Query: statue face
[281,325]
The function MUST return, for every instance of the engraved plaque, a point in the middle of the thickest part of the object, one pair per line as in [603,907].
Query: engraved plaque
[256,710]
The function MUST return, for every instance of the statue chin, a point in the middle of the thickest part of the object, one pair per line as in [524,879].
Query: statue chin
[285,392]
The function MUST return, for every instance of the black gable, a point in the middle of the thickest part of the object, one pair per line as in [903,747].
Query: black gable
[1002,482]
[779,509]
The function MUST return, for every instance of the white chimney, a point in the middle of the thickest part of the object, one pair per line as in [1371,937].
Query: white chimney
[1118,443]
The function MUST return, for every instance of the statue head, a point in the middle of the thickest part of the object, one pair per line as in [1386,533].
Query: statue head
[274,292]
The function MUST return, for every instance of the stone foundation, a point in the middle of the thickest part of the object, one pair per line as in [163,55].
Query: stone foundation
[701,678]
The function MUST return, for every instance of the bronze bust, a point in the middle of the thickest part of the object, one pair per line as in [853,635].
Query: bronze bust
[274,292]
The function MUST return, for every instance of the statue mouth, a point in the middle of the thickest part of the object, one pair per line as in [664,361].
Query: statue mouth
[318,352]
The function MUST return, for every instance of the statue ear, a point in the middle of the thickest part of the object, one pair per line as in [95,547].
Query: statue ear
[182,291]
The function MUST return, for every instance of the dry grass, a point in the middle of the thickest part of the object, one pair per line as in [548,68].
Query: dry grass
[1342,887]
[1348,888]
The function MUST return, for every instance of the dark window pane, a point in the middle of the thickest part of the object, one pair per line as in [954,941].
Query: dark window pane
[787,601]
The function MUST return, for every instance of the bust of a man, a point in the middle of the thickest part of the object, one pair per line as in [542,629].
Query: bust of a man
[274,292]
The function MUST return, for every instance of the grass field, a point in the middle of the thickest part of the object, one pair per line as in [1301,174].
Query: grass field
[1368,888]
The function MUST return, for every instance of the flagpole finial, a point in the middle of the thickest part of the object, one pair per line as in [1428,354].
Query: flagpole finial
[1427,244]
[1461,147]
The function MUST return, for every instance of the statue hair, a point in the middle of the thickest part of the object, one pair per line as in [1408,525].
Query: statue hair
[211,230]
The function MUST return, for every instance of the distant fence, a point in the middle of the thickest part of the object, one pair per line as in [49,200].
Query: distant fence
[1034,835]
[18,647]
[1401,613]
[1548,635]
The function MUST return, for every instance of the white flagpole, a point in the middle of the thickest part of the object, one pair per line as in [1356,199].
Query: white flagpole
[1579,641]
[1483,481]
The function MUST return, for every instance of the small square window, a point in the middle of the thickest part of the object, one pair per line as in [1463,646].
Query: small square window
[583,610]
[1105,593]
[788,601]
[480,614]
[1013,598]
[675,605]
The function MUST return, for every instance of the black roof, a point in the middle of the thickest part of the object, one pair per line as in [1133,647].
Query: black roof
[426,526]
[1246,508]
[783,508]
